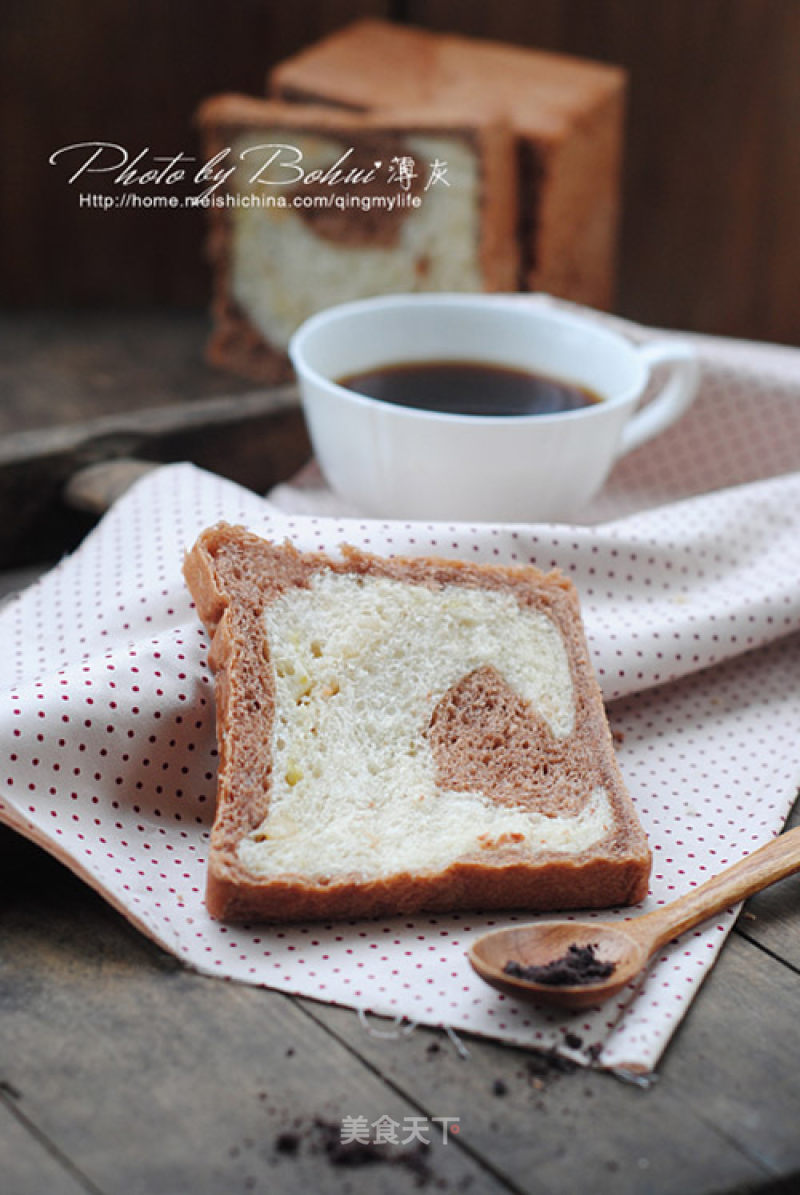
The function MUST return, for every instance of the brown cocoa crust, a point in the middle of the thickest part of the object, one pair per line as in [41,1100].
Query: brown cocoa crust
[233,895]
[232,575]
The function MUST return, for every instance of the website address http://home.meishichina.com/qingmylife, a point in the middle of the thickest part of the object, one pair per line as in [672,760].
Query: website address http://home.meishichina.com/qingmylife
[136,200]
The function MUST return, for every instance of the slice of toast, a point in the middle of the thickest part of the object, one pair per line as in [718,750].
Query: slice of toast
[402,734]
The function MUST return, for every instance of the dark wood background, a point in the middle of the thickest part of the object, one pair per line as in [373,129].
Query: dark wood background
[711,232]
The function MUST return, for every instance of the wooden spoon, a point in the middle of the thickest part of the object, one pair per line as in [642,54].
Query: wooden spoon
[629,945]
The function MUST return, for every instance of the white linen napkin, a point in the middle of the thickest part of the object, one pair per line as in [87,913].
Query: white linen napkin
[692,611]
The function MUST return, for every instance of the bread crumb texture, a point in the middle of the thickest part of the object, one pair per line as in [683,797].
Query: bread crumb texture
[415,726]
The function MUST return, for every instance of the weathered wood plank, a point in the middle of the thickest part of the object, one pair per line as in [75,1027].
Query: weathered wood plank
[60,367]
[151,1078]
[736,1063]
[256,439]
[772,919]
[29,1167]
[146,1075]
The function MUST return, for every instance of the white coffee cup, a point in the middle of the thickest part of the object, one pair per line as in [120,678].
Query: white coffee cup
[395,461]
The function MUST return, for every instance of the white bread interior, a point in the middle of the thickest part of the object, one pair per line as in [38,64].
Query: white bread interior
[360,665]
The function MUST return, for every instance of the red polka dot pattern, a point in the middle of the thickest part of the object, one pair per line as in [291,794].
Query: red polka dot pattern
[693,615]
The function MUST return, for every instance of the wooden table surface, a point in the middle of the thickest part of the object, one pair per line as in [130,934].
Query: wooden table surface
[124,1072]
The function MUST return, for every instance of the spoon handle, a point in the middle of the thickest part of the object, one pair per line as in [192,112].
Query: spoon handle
[763,867]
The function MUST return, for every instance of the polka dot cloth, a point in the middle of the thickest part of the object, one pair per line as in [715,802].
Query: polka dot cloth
[692,609]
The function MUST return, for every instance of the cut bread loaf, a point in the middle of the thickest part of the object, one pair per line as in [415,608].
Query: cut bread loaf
[402,734]
[324,205]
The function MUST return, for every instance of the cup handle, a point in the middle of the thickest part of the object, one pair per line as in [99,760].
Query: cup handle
[673,399]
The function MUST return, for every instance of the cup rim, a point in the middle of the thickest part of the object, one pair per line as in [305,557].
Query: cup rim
[440,299]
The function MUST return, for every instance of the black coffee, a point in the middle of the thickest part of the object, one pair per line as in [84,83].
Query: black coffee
[469,388]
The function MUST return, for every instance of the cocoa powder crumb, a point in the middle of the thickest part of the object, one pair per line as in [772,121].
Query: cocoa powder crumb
[578,965]
[322,1136]
[543,1065]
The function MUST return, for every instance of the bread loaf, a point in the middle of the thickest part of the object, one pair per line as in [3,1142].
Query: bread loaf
[403,734]
[566,114]
[323,206]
